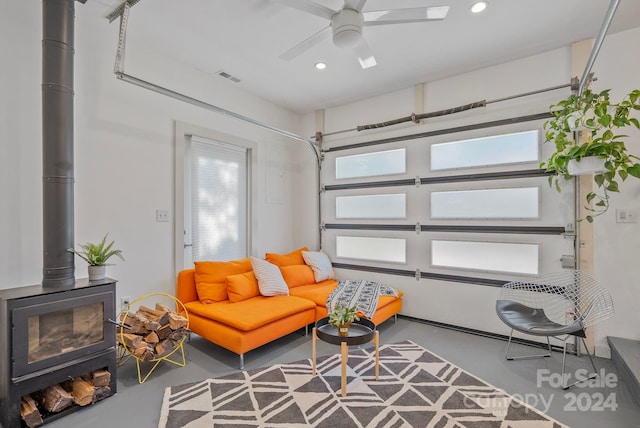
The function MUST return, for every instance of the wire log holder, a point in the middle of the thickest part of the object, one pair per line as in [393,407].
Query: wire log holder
[124,354]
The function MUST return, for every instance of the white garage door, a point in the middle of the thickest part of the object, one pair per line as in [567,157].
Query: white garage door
[461,211]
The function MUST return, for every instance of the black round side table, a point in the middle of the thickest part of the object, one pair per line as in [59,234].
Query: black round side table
[360,332]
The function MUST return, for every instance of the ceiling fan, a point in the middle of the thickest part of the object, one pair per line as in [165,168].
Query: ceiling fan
[346,25]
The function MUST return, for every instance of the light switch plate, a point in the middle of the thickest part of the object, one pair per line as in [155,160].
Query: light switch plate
[162,215]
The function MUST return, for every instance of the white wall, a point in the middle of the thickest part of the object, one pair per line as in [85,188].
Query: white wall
[472,306]
[124,152]
[617,245]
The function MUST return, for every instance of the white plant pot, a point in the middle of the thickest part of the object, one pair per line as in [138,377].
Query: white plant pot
[587,165]
[97,273]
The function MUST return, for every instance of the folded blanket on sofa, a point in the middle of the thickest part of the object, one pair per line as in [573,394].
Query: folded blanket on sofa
[362,294]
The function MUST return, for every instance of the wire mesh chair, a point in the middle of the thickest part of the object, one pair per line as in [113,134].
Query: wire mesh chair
[560,305]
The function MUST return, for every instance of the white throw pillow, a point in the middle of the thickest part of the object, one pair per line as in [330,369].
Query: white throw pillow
[270,280]
[320,264]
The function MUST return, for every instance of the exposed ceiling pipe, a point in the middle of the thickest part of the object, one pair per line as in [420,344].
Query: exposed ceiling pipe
[597,44]
[57,142]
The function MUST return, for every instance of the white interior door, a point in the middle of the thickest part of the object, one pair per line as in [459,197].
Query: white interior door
[212,196]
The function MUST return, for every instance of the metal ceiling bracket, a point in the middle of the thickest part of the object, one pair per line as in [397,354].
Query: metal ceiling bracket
[418,228]
[418,275]
[418,182]
[568,262]
[118,67]
[575,84]
[569,231]
[118,11]
[590,78]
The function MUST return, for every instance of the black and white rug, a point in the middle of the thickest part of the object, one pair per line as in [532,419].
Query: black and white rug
[416,389]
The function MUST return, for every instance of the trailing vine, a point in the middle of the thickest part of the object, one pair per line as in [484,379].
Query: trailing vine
[594,113]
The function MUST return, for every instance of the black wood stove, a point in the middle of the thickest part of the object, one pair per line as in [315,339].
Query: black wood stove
[50,336]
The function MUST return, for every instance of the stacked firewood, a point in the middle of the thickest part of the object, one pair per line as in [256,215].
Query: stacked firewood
[149,333]
[79,391]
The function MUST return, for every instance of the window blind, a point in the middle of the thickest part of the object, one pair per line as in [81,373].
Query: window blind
[218,200]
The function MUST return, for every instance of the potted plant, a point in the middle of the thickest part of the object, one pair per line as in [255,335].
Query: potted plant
[96,255]
[594,113]
[342,317]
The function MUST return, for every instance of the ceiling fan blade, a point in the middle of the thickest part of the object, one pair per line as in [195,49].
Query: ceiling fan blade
[354,4]
[365,54]
[399,16]
[306,44]
[309,7]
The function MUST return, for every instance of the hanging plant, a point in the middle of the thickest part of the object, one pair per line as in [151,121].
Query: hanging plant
[593,113]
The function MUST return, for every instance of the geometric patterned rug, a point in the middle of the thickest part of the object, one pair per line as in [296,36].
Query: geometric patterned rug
[415,389]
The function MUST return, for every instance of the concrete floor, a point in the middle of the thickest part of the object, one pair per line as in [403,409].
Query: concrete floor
[138,405]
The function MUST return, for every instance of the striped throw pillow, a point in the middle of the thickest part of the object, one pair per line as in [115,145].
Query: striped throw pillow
[320,263]
[270,280]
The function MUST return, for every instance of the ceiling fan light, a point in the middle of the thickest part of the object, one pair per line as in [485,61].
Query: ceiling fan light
[346,27]
[347,37]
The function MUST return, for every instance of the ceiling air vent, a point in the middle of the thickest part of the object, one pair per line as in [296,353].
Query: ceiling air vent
[228,76]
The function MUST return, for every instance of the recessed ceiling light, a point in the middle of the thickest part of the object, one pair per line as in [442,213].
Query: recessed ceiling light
[321,65]
[479,6]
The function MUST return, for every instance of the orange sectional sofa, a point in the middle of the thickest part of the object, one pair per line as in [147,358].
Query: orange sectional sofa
[225,305]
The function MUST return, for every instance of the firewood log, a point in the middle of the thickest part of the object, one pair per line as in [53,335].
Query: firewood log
[164,346]
[152,325]
[82,392]
[144,351]
[152,338]
[131,341]
[177,321]
[150,313]
[29,412]
[55,399]
[138,323]
[99,378]
[101,392]
[179,334]
[161,317]
[164,332]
